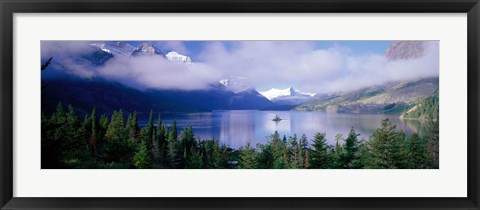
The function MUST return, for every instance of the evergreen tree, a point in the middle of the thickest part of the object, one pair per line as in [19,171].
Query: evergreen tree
[195,160]
[74,147]
[320,157]
[141,158]
[172,152]
[94,122]
[220,155]
[118,148]
[247,157]
[104,121]
[386,147]
[417,152]
[131,129]
[162,140]
[349,154]
[279,151]
[307,159]
[303,144]
[93,140]
[265,158]
[59,116]
[295,159]
[338,150]
[364,158]
[433,143]
[147,133]
[174,130]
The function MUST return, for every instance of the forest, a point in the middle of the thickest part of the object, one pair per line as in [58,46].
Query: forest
[111,142]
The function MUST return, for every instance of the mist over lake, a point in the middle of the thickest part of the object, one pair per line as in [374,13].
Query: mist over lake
[237,127]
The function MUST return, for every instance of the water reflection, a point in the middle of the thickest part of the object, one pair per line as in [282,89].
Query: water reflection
[236,128]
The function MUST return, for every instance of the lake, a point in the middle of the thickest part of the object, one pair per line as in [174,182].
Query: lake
[237,127]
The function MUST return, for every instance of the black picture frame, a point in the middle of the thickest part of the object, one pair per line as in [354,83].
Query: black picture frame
[10,7]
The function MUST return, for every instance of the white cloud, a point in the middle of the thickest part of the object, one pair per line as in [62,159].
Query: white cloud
[158,73]
[260,63]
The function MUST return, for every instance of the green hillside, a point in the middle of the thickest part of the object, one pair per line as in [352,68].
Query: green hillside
[390,98]
[427,108]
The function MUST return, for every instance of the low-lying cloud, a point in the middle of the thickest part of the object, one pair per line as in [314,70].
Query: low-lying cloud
[253,64]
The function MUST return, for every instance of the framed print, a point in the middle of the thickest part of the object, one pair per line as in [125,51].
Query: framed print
[239,105]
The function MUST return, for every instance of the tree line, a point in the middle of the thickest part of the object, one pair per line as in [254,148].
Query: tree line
[115,142]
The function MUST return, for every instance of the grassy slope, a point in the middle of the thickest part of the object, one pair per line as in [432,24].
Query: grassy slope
[393,97]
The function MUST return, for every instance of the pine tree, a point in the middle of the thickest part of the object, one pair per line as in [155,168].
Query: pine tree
[148,132]
[74,147]
[338,150]
[174,130]
[279,151]
[247,157]
[295,160]
[118,148]
[195,160]
[94,122]
[417,152]
[266,158]
[303,144]
[141,158]
[349,154]
[131,130]
[59,116]
[307,159]
[319,152]
[104,121]
[172,151]
[433,143]
[219,156]
[162,132]
[386,146]
[94,131]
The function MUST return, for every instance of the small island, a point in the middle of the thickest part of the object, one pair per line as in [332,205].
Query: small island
[277,118]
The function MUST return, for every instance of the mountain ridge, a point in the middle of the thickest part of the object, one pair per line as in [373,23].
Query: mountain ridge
[393,97]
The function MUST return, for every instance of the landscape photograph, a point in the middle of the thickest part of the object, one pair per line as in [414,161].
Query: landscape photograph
[233,104]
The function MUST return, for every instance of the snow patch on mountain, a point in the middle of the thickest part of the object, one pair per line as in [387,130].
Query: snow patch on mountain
[179,58]
[276,93]
[115,48]
[287,96]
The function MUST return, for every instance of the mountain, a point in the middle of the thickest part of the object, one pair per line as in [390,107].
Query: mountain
[118,48]
[59,84]
[392,97]
[427,108]
[287,96]
[179,58]
[250,98]
[146,49]
[400,50]
[106,96]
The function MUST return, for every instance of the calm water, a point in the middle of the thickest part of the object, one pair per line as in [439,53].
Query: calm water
[236,128]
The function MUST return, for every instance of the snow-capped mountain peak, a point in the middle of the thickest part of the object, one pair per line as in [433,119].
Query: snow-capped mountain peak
[177,57]
[146,49]
[287,96]
[225,82]
[275,93]
[116,48]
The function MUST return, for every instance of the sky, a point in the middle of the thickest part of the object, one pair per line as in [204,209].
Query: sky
[308,66]
[194,48]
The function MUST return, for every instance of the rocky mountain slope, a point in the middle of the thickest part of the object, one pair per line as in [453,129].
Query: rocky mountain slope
[393,97]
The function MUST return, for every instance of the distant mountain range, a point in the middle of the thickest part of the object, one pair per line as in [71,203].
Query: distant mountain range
[84,94]
[287,96]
